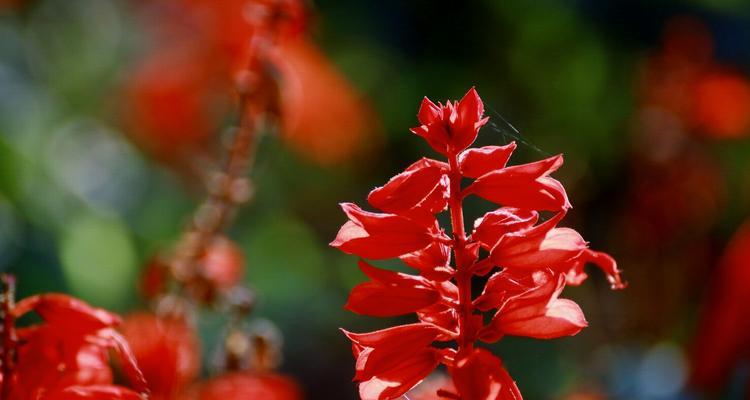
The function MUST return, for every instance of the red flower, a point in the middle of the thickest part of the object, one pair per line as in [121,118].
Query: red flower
[535,261]
[721,104]
[480,375]
[452,127]
[535,312]
[379,236]
[66,356]
[167,349]
[423,185]
[392,361]
[180,94]
[391,293]
[245,385]
[723,333]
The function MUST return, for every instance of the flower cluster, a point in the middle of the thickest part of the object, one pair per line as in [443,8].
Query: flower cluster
[529,262]
[66,356]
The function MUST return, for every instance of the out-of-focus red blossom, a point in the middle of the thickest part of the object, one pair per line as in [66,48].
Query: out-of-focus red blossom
[245,385]
[723,336]
[684,81]
[66,356]
[222,263]
[532,262]
[322,115]
[171,104]
[721,104]
[180,93]
[167,350]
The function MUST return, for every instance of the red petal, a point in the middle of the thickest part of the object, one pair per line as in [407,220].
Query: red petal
[63,310]
[421,187]
[468,121]
[390,293]
[382,351]
[397,336]
[470,108]
[393,383]
[127,360]
[481,376]
[443,316]
[425,162]
[608,265]
[519,287]
[380,236]
[561,317]
[474,163]
[539,247]
[428,112]
[536,169]
[492,226]
[432,262]
[524,186]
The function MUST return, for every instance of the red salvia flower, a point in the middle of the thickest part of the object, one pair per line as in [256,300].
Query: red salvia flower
[532,262]
[66,356]
[167,350]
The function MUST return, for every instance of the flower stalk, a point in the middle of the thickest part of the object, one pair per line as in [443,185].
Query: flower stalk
[7,302]
[463,266]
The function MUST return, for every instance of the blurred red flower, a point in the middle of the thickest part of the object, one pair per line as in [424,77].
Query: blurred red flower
[684,80]
[245,385]
[66,356]
[721,104]
[723,335]
[167,349]
[180,94]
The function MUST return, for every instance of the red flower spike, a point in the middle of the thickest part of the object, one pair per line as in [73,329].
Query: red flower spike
[390,293]
[536,261]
